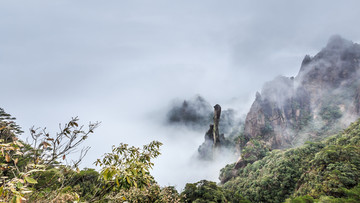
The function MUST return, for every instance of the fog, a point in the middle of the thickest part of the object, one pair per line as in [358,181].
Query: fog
[124,62]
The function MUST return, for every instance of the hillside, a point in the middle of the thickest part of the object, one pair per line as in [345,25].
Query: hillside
[326,171]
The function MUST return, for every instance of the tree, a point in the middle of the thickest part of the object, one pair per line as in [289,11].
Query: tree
[127,167]
[48,149]
[22,163]
[14,181]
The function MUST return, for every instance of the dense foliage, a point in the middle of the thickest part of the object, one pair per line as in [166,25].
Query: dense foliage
[207,191]
[322,170]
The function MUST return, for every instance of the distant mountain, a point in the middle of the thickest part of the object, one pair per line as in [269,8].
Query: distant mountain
[197,113]
[322,99]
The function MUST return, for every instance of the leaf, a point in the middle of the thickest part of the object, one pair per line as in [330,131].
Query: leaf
[19,185]
[18,199]
[30,180]
[64,157]
[16,161]
[7,158]
[1,190]
[127,179]
[19,144]
[2,127]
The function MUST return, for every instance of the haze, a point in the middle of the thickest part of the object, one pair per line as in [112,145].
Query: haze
[124,62]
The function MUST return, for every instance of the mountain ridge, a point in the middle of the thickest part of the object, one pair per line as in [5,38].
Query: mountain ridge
[282,113]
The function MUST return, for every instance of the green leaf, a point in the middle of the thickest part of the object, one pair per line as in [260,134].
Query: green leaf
[19,185]
[30,180]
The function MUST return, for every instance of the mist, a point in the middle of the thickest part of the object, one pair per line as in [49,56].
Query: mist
[123,63]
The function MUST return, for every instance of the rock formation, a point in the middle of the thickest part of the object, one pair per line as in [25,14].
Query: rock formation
[197,114]
[213,139]
[216,135]
[323,96]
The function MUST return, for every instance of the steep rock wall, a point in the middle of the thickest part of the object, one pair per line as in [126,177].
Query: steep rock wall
[323,96]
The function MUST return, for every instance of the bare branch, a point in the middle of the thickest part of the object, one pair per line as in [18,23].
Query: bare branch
[55,149]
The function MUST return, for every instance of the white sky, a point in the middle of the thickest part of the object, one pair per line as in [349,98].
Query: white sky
[123,62]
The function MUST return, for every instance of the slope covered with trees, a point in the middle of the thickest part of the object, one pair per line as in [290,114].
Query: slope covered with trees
[327,170]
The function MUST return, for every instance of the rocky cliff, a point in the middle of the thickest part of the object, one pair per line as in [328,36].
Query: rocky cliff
[324,96]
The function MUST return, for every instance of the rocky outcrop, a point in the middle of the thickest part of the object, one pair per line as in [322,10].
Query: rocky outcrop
[323,96]
[213,139]
[216,134]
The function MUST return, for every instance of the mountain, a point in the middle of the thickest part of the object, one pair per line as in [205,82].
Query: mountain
[328,171]
[322,99]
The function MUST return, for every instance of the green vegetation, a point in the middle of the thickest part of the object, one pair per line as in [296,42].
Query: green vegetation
[330,113]
[34,171]
[324,170]
[206,191]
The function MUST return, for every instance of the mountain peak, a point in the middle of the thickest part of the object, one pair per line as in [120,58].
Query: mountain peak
[336,42]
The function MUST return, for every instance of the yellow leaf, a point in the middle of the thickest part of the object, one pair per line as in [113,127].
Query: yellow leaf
[7,158]
[127,179]
[18,199]
[16,160]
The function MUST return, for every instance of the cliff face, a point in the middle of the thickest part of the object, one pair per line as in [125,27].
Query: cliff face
[323,96]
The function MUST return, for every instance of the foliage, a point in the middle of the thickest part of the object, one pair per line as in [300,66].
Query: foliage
[37,165]
[330,113]
[129,166]
[253,151]
[227,173]
[149,194]
[207,191]
[85,183]
[267,128]
[324,169]
[14,181]
[351,196]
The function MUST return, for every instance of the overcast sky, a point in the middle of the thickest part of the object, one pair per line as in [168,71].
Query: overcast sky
[123,62]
